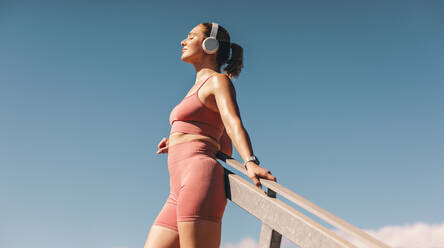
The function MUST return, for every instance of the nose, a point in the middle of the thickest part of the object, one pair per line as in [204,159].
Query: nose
[182,43]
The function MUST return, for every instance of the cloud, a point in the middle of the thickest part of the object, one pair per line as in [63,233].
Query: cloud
[419,235]
[247,242]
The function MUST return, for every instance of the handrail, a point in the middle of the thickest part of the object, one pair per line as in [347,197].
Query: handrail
[307,205]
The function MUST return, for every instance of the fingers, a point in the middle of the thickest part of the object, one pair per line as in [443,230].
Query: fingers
[270,177]
[256,173]
[267,175]
[256,182]
[163,143]
[160,145]
[162,150]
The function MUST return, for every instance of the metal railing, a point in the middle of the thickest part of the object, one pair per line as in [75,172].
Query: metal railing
[280,219]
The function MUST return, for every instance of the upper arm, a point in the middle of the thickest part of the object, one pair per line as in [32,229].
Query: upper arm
[225,96]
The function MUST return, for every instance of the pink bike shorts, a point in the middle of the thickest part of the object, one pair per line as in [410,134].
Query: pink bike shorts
[197,186]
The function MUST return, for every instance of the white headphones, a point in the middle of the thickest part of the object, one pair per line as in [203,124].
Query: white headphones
[210,45]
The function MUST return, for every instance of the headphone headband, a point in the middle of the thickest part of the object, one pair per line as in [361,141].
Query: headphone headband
[214,29]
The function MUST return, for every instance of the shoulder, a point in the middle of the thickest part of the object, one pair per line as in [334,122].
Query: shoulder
[221,82]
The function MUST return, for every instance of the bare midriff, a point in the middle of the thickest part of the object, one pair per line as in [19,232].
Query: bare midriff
[178,137]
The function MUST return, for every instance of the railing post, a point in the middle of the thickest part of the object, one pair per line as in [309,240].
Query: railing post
[269,238]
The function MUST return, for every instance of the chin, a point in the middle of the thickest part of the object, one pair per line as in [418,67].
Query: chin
[186,59]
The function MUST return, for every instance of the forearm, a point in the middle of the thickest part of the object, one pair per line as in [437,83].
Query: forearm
[241,140]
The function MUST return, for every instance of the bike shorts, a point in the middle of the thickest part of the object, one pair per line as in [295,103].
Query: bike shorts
[197,185]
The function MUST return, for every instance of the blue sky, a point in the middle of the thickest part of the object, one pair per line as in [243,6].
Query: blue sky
[343,101]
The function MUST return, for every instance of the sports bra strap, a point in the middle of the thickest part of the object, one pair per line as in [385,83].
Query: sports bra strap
[204,82]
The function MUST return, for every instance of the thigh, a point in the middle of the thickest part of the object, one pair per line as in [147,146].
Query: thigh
[167,216]
[164,232]
[162,237]
[202,194]
[199,233]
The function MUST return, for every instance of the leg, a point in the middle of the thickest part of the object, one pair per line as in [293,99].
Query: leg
[162,237]
[164,231]
[201,233]
[200,205]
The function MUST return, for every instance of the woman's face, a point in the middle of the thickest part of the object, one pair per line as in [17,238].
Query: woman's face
[192,46]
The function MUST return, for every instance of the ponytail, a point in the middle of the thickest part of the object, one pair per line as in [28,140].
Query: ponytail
[235,63]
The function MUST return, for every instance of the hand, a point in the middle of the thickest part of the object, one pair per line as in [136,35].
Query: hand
[163,146]
[255,172]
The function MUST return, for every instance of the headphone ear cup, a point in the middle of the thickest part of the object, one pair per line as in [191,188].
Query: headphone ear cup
[210,45]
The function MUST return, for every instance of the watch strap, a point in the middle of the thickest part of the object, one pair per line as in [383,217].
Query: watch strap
[251,158]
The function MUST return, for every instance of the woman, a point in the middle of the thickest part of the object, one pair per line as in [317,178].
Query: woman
[205,121]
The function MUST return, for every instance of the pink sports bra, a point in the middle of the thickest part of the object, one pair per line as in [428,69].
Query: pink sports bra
[192,116]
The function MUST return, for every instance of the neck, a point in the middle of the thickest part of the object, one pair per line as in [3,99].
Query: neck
[205,67]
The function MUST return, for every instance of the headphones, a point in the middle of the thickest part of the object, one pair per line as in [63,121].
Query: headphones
[210,45]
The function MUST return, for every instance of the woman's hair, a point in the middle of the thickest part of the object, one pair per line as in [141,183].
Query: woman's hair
[235,63]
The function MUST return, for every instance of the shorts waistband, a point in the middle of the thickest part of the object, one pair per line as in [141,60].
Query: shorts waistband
[187,149]
[190,142]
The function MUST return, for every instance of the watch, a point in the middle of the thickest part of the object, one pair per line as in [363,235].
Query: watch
[251,158]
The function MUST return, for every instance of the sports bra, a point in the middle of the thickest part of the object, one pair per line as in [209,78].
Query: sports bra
[192,116]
